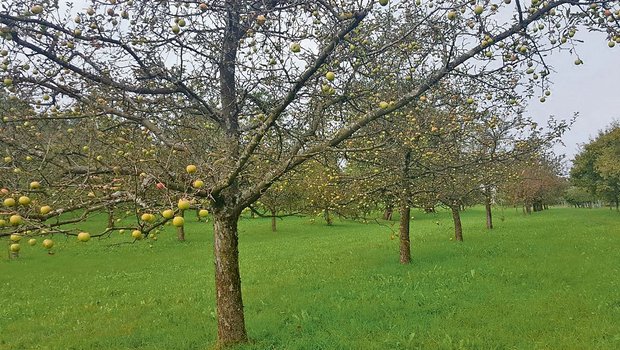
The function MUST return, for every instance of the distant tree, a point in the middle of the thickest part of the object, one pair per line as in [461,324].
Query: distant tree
[597,167]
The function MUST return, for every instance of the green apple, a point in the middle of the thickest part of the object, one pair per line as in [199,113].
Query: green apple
[83,236]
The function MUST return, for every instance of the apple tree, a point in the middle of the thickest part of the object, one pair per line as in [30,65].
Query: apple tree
[243,90]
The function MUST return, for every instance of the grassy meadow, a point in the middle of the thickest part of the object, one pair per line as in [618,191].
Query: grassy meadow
[546,281]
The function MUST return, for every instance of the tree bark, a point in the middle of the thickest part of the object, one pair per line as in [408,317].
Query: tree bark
[458,228]
[273,221]
[405,244]
[387,213]
[327,216]
[487,206]
[181,229]
[230,318]
[110,217]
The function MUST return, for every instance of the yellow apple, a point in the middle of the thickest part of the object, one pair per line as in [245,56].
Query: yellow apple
[198,184]
[167,214]
[23,200]
[15,238]
[48,244]
[9,202]
[178,221]
[83,236]
[203,213]
[137,234]
[183,204]
[45,209]
[16,220]
[15,247]
[191,169]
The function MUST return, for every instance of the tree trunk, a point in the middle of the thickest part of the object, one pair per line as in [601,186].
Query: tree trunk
[405,244]
[181,229]
[327,216]
[458,228]
[528,208]
[230,318]
[387,213]
[487,206]
[110,217]
[273,221]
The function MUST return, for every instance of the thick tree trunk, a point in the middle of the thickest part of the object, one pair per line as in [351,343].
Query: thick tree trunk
[181,229]
[405,244]
[487,206]
[230,318]
[528,208]
[273,221]
[458,228]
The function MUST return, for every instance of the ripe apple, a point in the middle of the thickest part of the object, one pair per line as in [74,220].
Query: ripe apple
[147,217]
[137,234]
[203,213]
[183,204]
[203,7]
[160,186]
[48,244]
[330,76]
[15,238]
[35,185]
[198,184]
[32,241]
[36,9]
[167,214]
[261,19]
[191,169]
[45,209]
[178,221]
[16,220]
[15,247]
[4,191]
[83,236]
[9,202]
[23,200]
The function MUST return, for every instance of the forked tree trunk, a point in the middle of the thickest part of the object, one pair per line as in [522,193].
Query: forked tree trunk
[487,206]
[230,319]
[273,221]
[181,229]
[405,243]
[458,228]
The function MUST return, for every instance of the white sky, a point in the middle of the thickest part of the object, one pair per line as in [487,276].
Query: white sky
[592,89]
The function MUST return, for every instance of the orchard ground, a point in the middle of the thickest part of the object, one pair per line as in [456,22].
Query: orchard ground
[549,280]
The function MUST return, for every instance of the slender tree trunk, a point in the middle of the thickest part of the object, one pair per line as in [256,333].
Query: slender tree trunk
[458,228]
[487,206]
[230,318]
[273,221]
[405,244]
[327,216]
[181,229]
[387,213]
[110,217]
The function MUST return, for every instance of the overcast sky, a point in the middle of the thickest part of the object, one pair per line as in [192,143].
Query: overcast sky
[592,89]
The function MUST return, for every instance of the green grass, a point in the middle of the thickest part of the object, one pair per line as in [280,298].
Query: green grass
[546,281]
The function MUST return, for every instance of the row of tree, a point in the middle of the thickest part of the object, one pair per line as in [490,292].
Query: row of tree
[165,105]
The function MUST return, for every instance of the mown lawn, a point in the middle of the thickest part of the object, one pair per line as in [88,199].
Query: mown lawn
[546,281]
